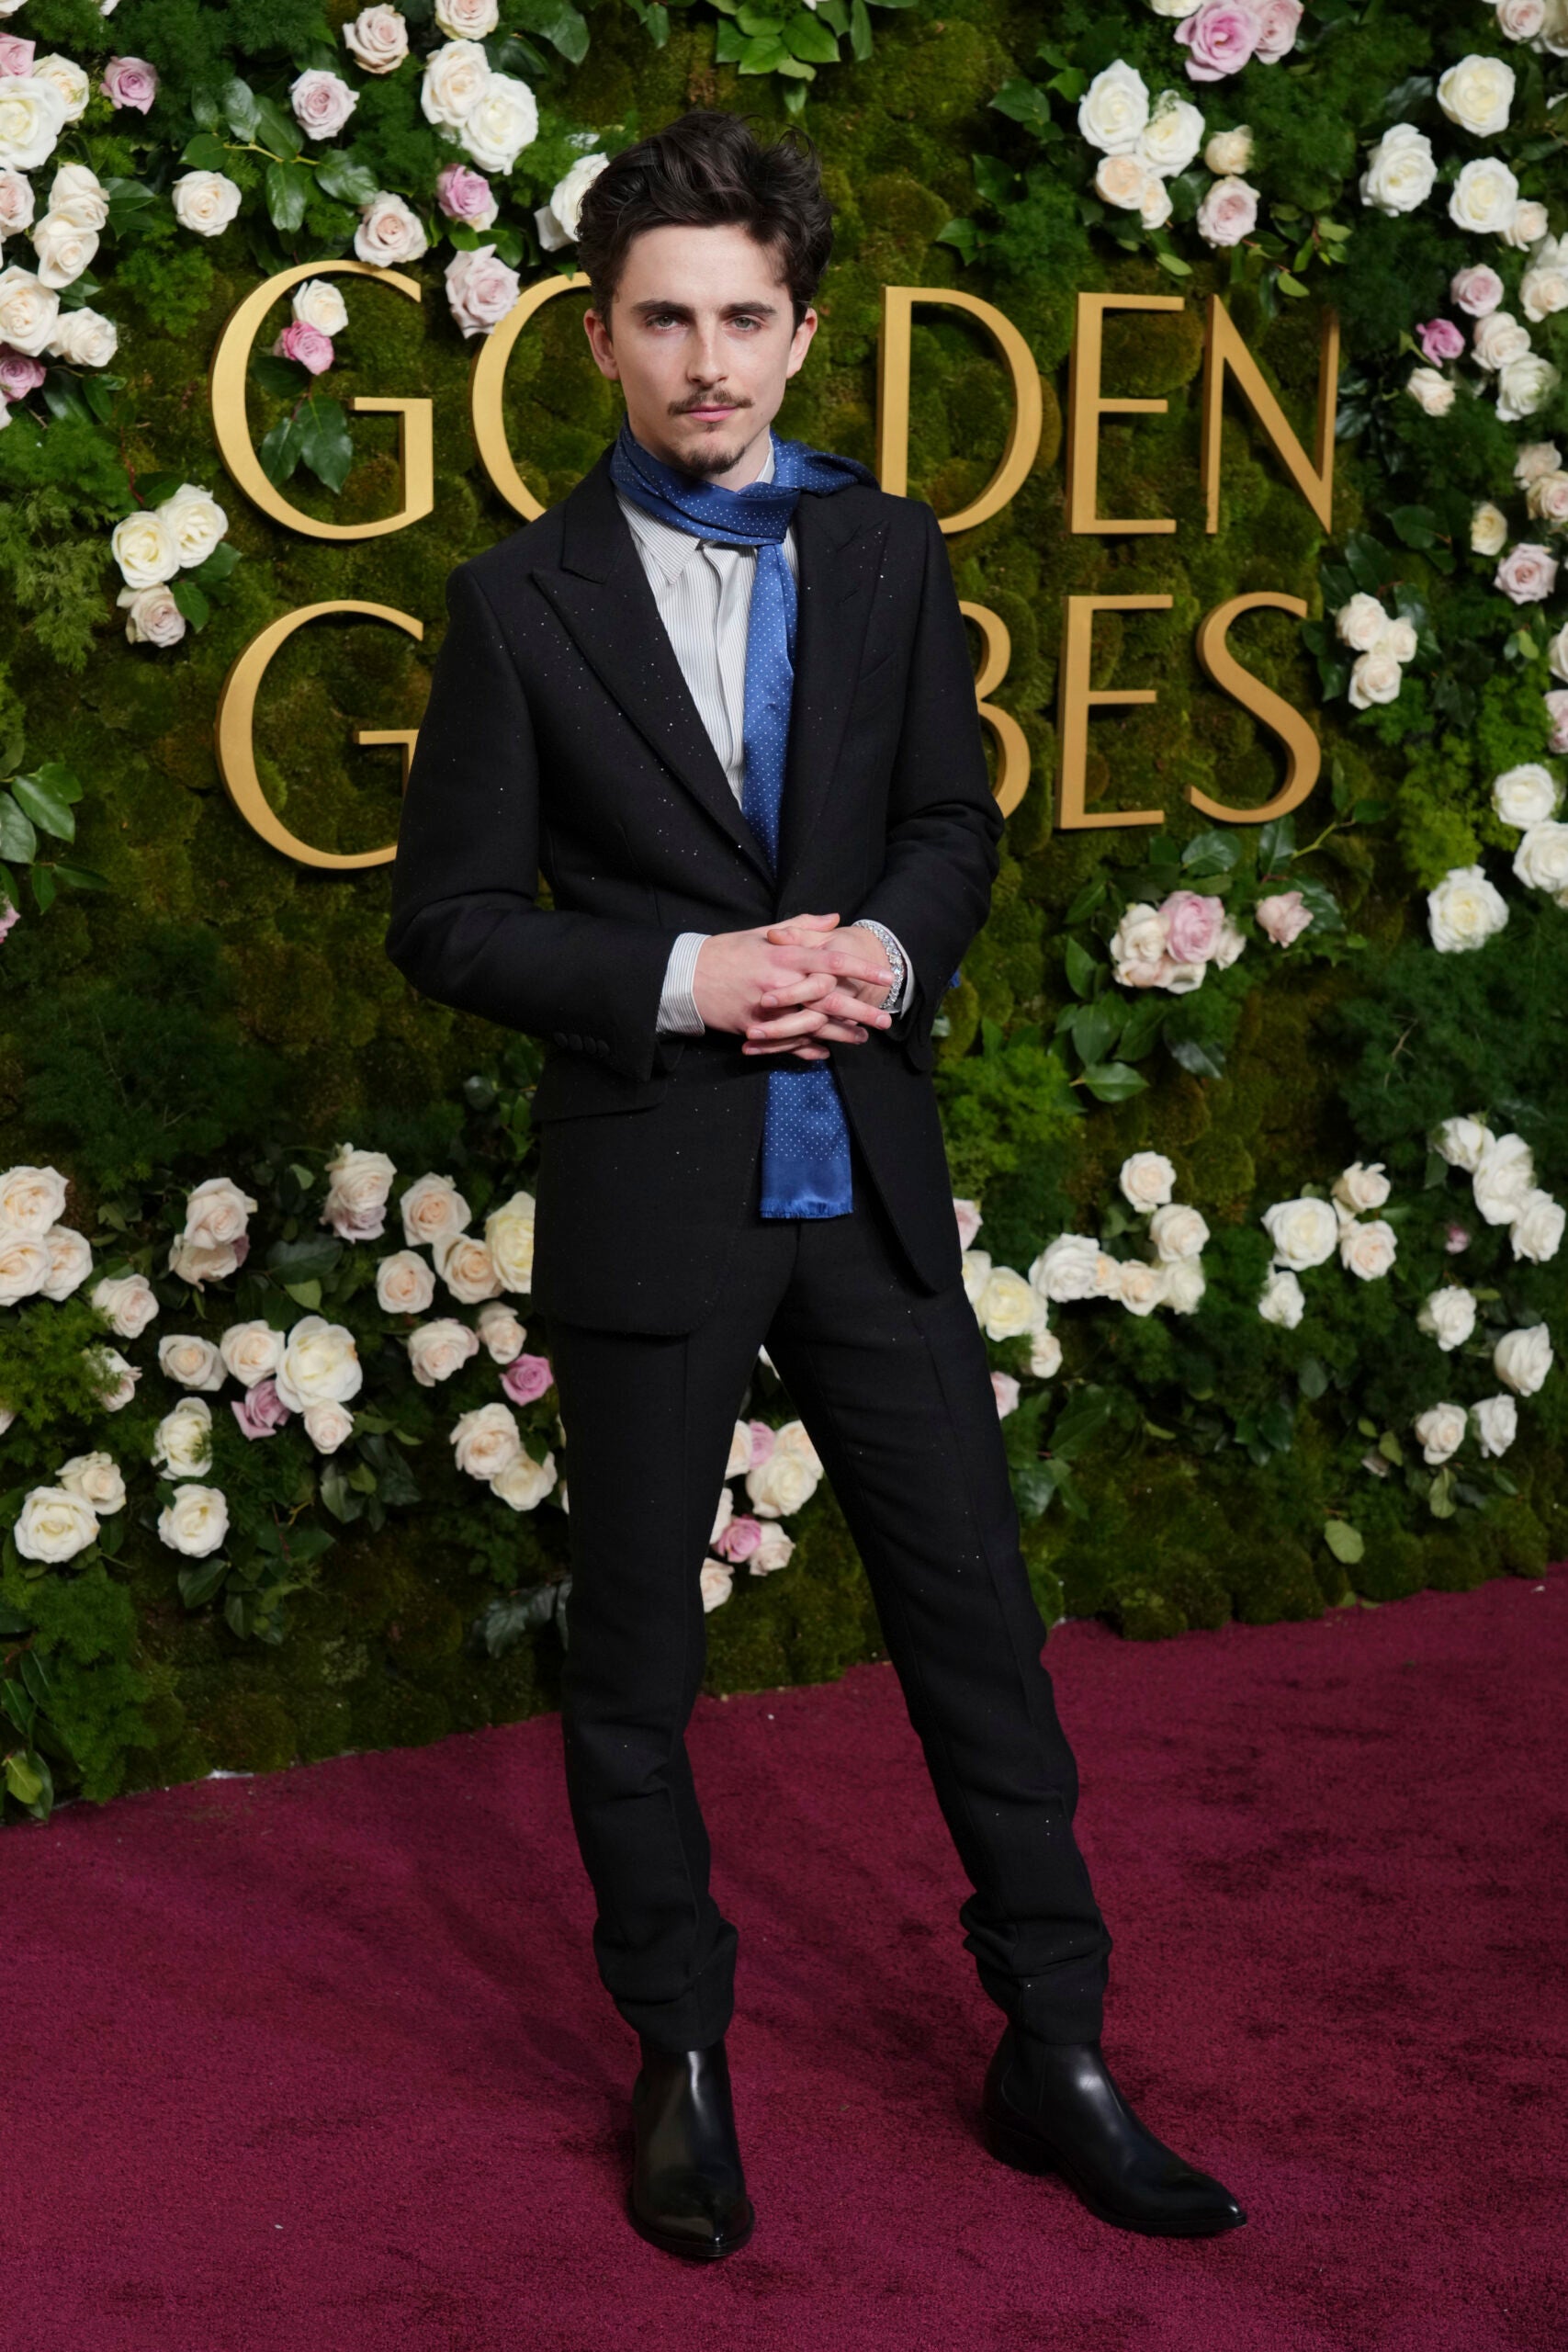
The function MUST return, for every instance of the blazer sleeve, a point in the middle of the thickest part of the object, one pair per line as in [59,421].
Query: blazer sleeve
[465,926]
[943,824]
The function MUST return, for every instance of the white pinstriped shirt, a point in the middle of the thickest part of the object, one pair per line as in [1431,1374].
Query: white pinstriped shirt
[703,591]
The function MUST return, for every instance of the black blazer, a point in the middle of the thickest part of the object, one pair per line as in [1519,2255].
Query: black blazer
[561,736]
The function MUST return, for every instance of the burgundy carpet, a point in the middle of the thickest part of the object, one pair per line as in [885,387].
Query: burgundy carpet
[317,2062]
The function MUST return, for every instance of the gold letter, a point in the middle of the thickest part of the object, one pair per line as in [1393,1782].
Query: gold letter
[1086,406]
[485,390]
[1012,744]
[1225,348]
[893,357]
[235,742]
[226,391]
[1075,699]
[1304,758]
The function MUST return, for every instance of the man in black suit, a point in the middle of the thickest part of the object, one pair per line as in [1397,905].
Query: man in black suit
[732,908]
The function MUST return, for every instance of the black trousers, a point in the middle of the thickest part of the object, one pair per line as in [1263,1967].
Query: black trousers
[894,1387]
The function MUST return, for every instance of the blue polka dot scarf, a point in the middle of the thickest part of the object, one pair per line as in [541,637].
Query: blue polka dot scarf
[806,1143]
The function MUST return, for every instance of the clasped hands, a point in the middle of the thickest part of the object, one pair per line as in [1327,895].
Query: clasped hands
[786,990]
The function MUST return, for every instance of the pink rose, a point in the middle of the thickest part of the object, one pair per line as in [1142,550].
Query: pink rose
[1283,917]
[1527,573]
[1456,1239]
[1222,37]
[526,1377]
[969,1220]
[308,344]
[739,1539]
[8,915]
[17,55]
[481,288]
[1004,1388]
[1278,21]
[1557,711]
[1476,291]
[761,1442]
[260,1410]
[130,82]
[1193,926]
[465,195]
[19,374]
[1441,340]
[1229,211]
[322,102]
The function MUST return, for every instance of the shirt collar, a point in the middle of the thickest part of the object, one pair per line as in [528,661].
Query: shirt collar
[673,550]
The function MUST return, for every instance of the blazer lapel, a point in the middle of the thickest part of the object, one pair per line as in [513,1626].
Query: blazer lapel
[839,560]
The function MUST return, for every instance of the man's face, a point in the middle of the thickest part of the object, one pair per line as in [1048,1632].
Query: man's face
[705,342]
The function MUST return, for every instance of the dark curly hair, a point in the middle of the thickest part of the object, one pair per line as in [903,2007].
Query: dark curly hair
[706,168]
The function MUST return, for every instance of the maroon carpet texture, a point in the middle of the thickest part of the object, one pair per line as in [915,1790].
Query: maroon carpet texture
[318,2061]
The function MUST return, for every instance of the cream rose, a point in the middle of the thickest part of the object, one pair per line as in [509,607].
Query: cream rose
[1114,109]
[467,19]
[183,1442]
[1496,1420]
[1283,1300]
[1548,500]
[557,221]
[1483,196]
[389,233]
[1497,338]
[1536,1231]
[1138,945]
[1440,1430]
[1488,529]
[503,1335]
[1121,180]
[54,1524]
[1148,1180]
[1172,135]
[1476,94]
[250,1351]
[1359,1187]
[1044,1355]
[1524,386]
[1465,910]
[1185,1282]
[509,1232]
[70,1261]
[98,1479]
[17,205]
[116,1377]
[439,1349]
[24,1264]
[456,77]
[1304,1232]
[320,1364]
[321,102]
[145,549]
[198,522]
[1522,1359]
[1525,796]
[431,1210]
[1503,1176]
[1463,1143]
[1540,860]
[194,1362]
[1141,1287]
[486,1440]
[83,337]
[64,250]
[1543,289]
[502,122]
[1360,624]
[358,1185]
[129,1301]
[1527,225]
[78,193]
[1229,152]
[1177,1231]
[151,616]
[28,309]
[32,115]
[1431,391]
[378,40]
[196,1522]
[404,1283]
[1066,1268]
[480,290]
[1228,212]
[198,1266]
[205,201]
[1447,1316]
[318,303]
[526,1483]
[467,1267]
[1009,1305]
[327,1425]
[782,1485]
[1401,171]
[216,1213]
[1375,677]
[69,79]
[1367,1247]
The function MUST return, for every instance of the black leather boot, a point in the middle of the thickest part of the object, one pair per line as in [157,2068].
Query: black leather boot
[1050,2107]
[688,2191]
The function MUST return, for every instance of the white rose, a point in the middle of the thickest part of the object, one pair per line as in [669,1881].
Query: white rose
[773,1551]
[145,549]
[480,290]
[151,616]
[1548,500]
[1477,94]
[1044,1355]
[486,1440]
[502,121]
[715,1582]
[251,1350]
[528,1482]
[32,115]
[1360,1187]
[378,40]
[1229,152]
[1536,1231]
[70,80]
[1497,338]
[437,1350]
[502,1334]
[1540,860]
[431,1209]
[321,102]
[1448,1316]
[1543,289]
[1121,180]
[1464,910]
[404,1283]
[1137,946]
[388,233]
[28,309]
[1177,1231]
[976,1269]
[24,1264]
[183,1442]
[17,205]
[198,522]
[1483,196]
[1283,1300]
[1141,1287]
[1496,1422]
[112,1367]
[782,1485]
[1440,1429]
[1114,109]
[70,1257]
[1463,1143]
[1527,225]
[320,1364]
[1522,19]
[192,1360]
[53,1524]
[1066,1268]
[1375,677]
[1525,796]
[205,201]
[83,337]
[557,220]
[78,193]
[129,1301]
[327,1426]
[1504,1176]
[1009,1306]
[1430,391]
[1185,1282]
[1366,1249]
[509,1231]
[467,19]
[1361,623]
[1488,529]
[1228,212]
[64,249]
[740,1450]
[969,1220]
[320,304]
[726,1512]
[197,1521]
[1401,171]
[1172,135]
[1522,1359]
[1148,1180]
[1557,654]
[200,1266]
[98,1479]
[358,1184]
[1156,207]
[454,80]
[1304,1232]
[467,1267]
[1524,386]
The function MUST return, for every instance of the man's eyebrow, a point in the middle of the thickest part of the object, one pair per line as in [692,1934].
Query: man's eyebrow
[728,310]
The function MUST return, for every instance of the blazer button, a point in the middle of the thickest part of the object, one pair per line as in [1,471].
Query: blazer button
[575,1041]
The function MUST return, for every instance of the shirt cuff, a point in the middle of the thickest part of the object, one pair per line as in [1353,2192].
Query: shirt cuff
[678,1011]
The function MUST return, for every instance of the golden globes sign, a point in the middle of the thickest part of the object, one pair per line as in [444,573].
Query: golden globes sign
[1226,358]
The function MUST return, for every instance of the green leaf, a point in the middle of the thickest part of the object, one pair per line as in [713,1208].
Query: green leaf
[1276,843]
[80,877]
[1082,968]
[280,379]
[25,1776]
[1344,1540]
[306,1294]
[239,104]
[338,174]
[215,569]
[1172,262]
[205,152]
[1095,1027]
[199,1584]
[1025,103]
[43,887]
[189,600]
[810,38]
[1081,1421]
[963,236]
[1312,1377]
[19,841]
[324,443]
[1214,853]
[554,21]
[288,191]
[44,801]
[276,131]
[1114,1081]
[281,450]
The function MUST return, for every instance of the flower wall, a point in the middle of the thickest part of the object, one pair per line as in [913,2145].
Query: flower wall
[1256,1142]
